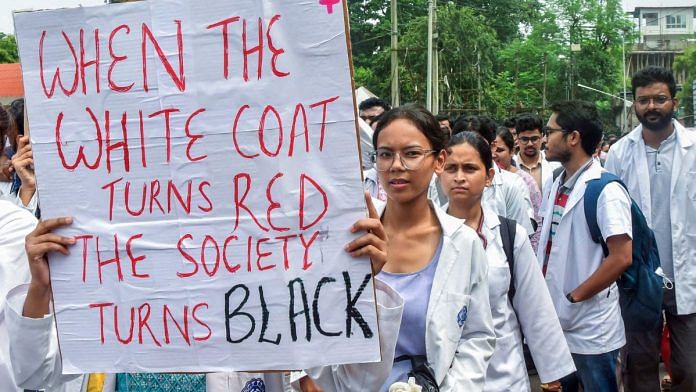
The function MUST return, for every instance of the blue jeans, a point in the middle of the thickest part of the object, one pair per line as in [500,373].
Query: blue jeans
[595,372]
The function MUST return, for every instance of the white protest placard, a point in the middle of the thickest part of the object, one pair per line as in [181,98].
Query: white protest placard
[207,151]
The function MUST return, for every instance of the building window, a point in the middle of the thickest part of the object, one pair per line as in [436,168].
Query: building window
[651,19]
[676,22]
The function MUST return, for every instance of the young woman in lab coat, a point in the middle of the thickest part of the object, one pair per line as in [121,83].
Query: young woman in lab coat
[468,169]
[434,261]
[34,344]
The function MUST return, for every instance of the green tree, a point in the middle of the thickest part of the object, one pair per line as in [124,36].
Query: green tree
[686,63]
[8,49]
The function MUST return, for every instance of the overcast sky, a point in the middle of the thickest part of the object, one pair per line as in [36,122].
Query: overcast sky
[7,6]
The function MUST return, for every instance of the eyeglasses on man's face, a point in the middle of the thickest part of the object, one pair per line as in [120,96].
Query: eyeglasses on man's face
[410,158]
[528,139]
[657,100]
[549,130]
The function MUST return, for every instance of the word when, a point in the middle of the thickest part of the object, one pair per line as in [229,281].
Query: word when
[78,65]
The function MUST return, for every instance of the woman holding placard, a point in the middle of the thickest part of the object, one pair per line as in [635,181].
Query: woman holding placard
[34,343]
[525,303]
[435,262]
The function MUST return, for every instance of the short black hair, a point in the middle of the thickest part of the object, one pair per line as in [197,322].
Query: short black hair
[650,75]
[581,116]
[421,118]
[16,110]
[372,102]
[528,122]
[484,126]
[506,136]
[475,140]
[510,122]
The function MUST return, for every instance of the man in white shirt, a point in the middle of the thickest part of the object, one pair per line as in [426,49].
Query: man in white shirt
[581,280]
[657,162]
[531,159]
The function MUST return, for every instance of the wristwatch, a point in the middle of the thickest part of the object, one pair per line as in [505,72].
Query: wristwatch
[570,298]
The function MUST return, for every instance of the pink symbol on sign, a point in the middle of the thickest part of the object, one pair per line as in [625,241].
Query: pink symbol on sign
[329,4]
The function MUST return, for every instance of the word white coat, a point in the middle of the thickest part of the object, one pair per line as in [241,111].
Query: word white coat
[628,161]
[459,335]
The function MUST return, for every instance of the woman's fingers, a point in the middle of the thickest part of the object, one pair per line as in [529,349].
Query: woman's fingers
[365,240]
[48,225]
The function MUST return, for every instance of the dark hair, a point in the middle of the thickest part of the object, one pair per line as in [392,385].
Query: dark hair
[372,102]
[506,136]
[650,75]
[484,126]
[443,117]
[510,122]
[476,141]
[581,116]
[420,117]
[528,122]
[16,109]
[5,123]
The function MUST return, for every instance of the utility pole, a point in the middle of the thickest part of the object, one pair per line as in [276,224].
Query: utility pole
[394,55]
[429,75]
[436,62]
[543,96]
[624,119]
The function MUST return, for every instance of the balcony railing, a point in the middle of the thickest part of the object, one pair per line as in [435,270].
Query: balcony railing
[666,46]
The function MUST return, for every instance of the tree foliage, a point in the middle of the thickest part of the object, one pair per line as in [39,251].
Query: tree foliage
[8,49]
[517,51]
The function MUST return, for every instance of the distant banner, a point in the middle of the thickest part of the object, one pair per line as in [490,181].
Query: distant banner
[207,152]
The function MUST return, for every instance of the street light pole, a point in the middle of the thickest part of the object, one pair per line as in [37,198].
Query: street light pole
[429,75]
[394,55]
[624,118]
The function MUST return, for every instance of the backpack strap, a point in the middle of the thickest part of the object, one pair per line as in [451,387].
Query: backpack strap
[508,227]
[592,191]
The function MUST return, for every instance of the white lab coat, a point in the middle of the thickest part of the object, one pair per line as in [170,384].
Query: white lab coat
[37,363]
[508,196]
[547,168]
[628,161]
[593,326]
[15,224]
[532,310]
[459,335]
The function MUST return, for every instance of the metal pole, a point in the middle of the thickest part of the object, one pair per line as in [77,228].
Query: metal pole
[429,75]
[394,55]
[436,63]
[624,118]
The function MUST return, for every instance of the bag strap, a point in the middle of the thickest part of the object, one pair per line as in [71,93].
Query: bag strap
[507,235]
[591,197]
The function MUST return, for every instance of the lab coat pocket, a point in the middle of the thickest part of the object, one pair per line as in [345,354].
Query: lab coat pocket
[568,313]
[454,310]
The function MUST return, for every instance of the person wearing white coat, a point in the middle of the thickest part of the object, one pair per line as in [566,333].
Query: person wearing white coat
[34,350]
[581,280]
[657,162]
[468,164]
[15,224]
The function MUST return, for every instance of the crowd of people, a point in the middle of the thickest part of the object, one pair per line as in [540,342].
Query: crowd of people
[484,258]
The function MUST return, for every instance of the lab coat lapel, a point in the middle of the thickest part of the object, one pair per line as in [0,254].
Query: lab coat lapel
[682,161]
[593,172]
[448,256]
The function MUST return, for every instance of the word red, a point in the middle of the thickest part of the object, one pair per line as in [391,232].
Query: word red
[258,49]
[80,64]
[145,318]
[259,254]
[155,196]
[242,187]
